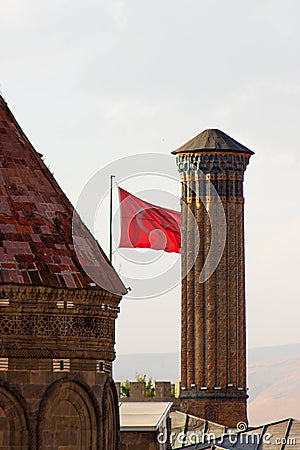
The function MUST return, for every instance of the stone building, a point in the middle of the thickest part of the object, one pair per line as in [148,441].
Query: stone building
[57,325]
[164,391]
[145,425]
[213,341]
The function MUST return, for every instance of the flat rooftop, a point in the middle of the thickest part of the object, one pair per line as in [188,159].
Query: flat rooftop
[143,416]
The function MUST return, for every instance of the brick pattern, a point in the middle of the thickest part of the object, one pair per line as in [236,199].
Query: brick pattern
[190,328]
[55,325]
[35,397]
[232,296]
[137,440]
[223,411]
[223,314]
[43,330]
[213,353]
[210,308]
[184,287]
[49,311]
[36,245]
[199,305]
[242,374]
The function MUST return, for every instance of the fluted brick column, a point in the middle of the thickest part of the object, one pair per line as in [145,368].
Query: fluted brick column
[213,352]
[184,288]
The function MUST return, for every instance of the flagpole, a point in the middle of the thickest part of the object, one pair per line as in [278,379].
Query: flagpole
[111,216]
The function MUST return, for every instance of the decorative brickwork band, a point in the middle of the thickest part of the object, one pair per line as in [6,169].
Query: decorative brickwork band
[51,325]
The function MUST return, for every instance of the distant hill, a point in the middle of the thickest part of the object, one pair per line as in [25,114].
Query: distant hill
[274,384]
[273,378]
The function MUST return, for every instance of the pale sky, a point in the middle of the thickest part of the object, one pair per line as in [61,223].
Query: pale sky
[95,81]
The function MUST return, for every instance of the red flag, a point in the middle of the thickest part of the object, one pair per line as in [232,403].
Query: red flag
[144,225]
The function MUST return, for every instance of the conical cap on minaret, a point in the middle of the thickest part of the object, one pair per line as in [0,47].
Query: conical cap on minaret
[36,244]
[210,140]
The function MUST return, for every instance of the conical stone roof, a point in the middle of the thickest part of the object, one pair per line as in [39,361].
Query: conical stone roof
[36,244]
[212,140]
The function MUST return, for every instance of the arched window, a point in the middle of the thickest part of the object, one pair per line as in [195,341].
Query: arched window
[13,422]
[67,418]
[211,413]
[110,414]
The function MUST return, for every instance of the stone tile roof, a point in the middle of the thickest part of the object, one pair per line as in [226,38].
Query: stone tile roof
[281,435]
[212,140]
[36,245]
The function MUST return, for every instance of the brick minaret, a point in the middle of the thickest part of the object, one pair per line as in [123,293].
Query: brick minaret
[213,340]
